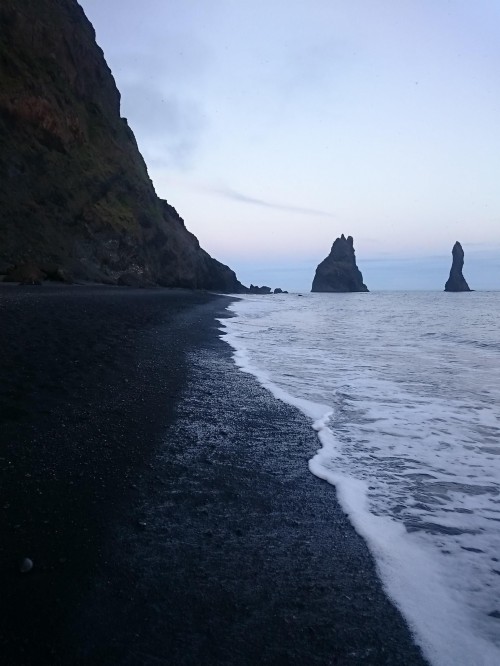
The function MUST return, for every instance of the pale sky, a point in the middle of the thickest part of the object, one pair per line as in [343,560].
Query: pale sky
[273,126]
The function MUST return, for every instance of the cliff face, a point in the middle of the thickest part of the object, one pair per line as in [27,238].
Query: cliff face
[456,281]
[75,192]
[339,272]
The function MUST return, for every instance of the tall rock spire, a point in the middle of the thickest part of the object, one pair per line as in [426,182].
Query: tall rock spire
[456,281]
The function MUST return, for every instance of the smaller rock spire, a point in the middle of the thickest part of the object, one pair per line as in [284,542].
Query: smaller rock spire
[456,281]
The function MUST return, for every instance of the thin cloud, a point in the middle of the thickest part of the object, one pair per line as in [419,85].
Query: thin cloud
[481,246]
[243,198]
[391,258]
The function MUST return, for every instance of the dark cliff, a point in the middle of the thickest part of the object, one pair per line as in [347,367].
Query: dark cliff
[339,272]
[456,281]
[75,194]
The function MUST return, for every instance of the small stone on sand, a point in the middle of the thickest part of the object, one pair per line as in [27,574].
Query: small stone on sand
[26,565]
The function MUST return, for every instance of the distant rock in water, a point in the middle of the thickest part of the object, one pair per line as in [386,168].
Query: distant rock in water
[456,281]
[254,289]
[338,272]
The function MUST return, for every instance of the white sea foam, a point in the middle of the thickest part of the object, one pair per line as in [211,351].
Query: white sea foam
[403,393]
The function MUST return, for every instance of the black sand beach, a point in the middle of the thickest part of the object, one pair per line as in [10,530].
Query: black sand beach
[165,499]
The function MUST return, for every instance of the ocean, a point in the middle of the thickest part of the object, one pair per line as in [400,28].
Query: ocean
[403,390]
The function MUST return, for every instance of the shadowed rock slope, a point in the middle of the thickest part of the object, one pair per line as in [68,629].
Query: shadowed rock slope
[339,272]
[76,197]
[456,281]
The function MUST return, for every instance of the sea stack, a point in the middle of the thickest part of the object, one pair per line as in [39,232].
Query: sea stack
[456,281]
[338,272]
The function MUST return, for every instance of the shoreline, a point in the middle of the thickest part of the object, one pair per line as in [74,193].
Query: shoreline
[165,498]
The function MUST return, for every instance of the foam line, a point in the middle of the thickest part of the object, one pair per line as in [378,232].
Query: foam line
[411,577]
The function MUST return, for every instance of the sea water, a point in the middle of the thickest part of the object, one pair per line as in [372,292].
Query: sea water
[403,390]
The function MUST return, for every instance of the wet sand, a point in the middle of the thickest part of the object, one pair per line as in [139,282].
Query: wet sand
[164,498]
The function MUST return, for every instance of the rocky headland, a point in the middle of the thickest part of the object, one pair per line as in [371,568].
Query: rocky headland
[339,272]
[264,290]
[77,200]
[255,289]
[456,281]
